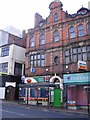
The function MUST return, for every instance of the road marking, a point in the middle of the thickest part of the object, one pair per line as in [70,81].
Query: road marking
[12,112]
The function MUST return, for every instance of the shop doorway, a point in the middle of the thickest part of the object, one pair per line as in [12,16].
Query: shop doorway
[57,97]
[10,93]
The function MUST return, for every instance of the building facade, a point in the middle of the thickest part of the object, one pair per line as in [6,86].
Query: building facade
[57,43]
[12,59]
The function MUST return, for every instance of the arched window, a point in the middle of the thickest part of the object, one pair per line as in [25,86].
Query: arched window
[42,39]
[81,31]
[55,17]
[32,41]
[72,32]
[56,36]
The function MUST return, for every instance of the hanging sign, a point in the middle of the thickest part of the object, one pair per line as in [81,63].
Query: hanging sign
[82,65]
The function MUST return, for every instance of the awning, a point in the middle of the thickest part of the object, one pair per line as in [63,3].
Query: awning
[29,85]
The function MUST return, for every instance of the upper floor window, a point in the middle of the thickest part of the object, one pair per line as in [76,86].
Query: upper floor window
[88,28]
[42,39]
[4,67]
[55,17]
[56,36]
[4,51]
[81,31]
[37,60]
[32,41]
[72,32]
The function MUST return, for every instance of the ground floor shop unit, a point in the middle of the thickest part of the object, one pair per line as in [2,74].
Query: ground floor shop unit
[76,95]
[46,94]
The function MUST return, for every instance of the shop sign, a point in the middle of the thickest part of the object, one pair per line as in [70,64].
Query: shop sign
[40,79]
[77,78]
[82,65]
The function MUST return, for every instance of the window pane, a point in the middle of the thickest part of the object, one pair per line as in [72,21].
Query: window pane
[31,57]
[35,63]
[31,63]
[79,50]
[42,56]
[42,39]
[67,60]
[38,63]
[83,49]
[88,48]
[4,51]
[72,32]
[74,50]
[84,56]
[39,56]
[75,58]
[42,62]
[35,57]
[67,53]
[56,36]
[55,17]
[81,31]
[32,42]
[5,67]
[79,57]
[88,56]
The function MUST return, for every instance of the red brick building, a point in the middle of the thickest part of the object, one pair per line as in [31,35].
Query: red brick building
[57,43]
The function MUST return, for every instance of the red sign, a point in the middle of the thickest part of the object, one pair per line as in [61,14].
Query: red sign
[29,81]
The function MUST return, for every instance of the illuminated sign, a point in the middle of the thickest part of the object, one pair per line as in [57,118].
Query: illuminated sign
[82,65]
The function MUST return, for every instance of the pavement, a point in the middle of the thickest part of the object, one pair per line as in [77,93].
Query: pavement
[56,109]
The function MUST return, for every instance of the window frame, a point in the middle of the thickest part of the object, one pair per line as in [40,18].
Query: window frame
[81,30]
[42,39]
[56,36]
[5,51]
[32,42]
[72,32]
[55,17]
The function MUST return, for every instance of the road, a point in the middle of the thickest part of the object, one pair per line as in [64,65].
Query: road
[9,110]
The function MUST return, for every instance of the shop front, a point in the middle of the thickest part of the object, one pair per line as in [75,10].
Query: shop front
[76,94]
[38,91]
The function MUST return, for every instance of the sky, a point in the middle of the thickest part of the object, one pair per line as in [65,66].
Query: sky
[20,13]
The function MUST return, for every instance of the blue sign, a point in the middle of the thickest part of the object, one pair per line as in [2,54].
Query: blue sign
[32,70]
[77,78]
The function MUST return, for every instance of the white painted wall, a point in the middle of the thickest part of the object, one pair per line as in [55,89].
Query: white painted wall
[16,54]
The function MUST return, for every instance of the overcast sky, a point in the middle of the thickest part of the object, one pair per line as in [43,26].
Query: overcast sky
[20,13]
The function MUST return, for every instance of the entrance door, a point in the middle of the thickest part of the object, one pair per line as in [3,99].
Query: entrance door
[10,93]
[57,97]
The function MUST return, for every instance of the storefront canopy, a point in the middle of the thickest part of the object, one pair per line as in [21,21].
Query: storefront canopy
[29,85]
